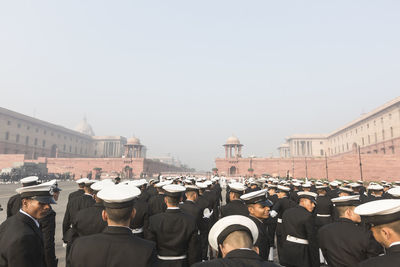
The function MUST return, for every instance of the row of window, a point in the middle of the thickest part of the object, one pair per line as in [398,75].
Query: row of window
[45,132]
[361,129]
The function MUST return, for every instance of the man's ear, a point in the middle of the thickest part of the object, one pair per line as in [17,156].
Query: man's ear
[165,200]
[256,249]
[133,213]
[104,215]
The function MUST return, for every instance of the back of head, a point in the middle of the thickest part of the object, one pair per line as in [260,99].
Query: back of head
[239,239]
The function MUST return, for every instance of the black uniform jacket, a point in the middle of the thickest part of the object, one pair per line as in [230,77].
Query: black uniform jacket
[299,223]
[189,207]
[48,225]
[141,218]
[323,207]
[13,205]
[75,194]
[390,259]
[114,247]
[238,258]
[234,207]
[262,240]
[344,243]
[157,204]
[89,221]
[175,234]
[73,207]
[21,242]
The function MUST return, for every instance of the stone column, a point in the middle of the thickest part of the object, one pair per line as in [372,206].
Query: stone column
[240,151]
[226,152]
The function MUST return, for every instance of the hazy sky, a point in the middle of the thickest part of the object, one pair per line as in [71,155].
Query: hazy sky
[185,75]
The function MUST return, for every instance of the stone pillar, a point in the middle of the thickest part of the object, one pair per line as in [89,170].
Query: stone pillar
[240,151]
[226,152]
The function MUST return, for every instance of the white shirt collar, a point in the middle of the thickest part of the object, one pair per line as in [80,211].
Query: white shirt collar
[394,244]
[36,222]
[173,208]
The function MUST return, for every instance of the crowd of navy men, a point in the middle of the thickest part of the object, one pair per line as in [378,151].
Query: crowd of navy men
[180,221]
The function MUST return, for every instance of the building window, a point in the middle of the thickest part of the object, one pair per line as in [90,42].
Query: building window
[390,116]
[321,143]
[8,122]
[391,132]
[44,132]
[64,147]
[76,150]
[368,126]
[392,147]
[35,142]
[43,143]
[383,134]
[27,140]
[363,141]
[28,127]
[356,131]
[7,135]
[19,125]
[369,139]
[37,130]
[322,152]
[17,138]
[70,148]
[382,120]
[347,144]
[376,138]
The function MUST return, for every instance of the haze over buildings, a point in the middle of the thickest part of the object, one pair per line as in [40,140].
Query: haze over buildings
[184,75]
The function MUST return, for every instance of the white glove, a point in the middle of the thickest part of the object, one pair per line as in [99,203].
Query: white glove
[207,213]
[64,245]
[273,213]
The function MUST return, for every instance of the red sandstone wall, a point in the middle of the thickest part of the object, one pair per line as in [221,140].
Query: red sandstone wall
[8,161]
[375,167]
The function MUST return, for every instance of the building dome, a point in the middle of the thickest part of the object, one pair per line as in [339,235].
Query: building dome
[84,127]
[233,140]
[133,141]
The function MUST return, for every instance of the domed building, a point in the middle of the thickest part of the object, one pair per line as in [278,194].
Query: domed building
[85,128]
[233,148]
[134,149]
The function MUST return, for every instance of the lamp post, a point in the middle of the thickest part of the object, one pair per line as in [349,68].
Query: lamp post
[326,166]
[359,158]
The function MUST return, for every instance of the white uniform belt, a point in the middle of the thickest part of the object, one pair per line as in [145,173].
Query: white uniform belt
[323,215]
[279,220]
[171,258]
[296,240]
[137,230]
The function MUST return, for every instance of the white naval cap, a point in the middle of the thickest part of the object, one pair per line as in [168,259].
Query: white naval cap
[354,185]
[208,182]
[380,211]
[309,195]
[54,185]
[346,201]
[306,185]
[394,192]
[334,184]
[296,184]
[173,190]
[346,189]
[30,180]
[40,192]
[191,187]
[82,180]
[229,224]
[137,183]
[257,197]
[118,196]
[237,188]
[375,187]
[99,185]
[282,188]
[201,185]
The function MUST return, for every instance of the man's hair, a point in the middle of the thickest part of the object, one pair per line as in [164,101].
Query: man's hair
[172,200]
[395,226]
[239,239]
[119,215]
[81,185]
[342,210]
[235,194]
[190,193]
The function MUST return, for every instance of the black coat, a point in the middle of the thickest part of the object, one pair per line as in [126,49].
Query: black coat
[262,242]
[390,259]
[141,219]
[234,207]
[299,223]
[21,243]
[73,207]
[89,221]
[175,234]
[238,258]
[114,247]
[323,207]
[344,243]
[189,207]
[75,194]
[13,205]
[157,204]
[48,225]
